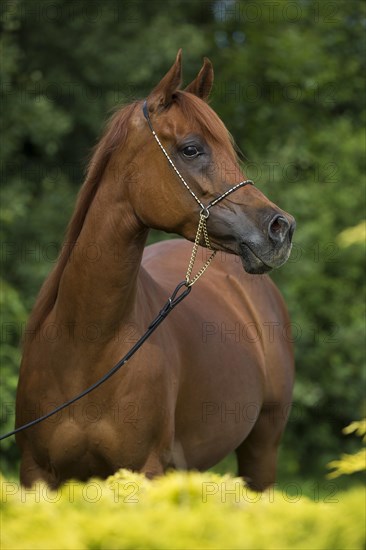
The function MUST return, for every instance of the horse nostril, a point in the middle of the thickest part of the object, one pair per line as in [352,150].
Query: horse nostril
[278,228]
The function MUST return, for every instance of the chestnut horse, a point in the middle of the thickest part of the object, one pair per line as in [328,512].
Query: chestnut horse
[218,375]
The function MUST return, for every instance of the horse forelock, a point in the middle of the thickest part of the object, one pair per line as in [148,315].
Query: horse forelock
[198,112]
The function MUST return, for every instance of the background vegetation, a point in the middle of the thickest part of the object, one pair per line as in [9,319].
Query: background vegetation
[288,86]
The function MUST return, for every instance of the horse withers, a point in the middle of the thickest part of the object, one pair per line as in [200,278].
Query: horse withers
[218,375]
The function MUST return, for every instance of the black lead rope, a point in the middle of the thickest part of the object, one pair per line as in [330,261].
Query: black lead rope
[173,301]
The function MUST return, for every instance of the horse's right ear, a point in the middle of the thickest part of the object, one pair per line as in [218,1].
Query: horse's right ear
[201,86]
[162,94]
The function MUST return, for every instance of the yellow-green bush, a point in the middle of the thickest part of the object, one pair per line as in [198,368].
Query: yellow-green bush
[184,510]
[349,464]
[179,510]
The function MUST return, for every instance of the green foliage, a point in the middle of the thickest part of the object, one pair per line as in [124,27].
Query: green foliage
[180,510]
[353,235]
[289,87]
[349,464]
[299,122]
[14,318]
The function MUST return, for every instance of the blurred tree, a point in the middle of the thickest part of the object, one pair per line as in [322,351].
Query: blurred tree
[288,85]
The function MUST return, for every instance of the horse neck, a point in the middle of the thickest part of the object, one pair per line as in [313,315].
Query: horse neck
[99,285]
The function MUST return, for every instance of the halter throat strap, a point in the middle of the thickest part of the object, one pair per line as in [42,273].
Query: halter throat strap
[205,210]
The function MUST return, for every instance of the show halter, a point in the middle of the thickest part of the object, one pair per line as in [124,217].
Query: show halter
[204,212]
[176,296]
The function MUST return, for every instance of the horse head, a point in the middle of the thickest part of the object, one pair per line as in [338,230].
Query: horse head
[200,148]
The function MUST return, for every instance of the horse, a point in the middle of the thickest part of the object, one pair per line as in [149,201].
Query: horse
[218,376]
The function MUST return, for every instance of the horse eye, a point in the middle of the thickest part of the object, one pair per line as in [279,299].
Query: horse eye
[190,151]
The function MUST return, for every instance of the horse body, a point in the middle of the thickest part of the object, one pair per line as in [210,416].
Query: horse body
[233,367]
[218,375]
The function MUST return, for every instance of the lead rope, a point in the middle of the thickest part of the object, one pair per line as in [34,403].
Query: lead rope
[176,297]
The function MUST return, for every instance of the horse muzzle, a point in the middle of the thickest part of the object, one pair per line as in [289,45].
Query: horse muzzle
[270,249]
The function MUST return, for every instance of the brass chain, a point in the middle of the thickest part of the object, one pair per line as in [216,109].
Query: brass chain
[202,229]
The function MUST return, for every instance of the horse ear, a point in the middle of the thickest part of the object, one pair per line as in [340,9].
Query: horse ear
[162,94]
[201,86]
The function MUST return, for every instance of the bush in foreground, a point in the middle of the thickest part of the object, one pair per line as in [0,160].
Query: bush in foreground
[179,510]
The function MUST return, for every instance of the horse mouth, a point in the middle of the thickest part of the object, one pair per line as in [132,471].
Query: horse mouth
[252,263]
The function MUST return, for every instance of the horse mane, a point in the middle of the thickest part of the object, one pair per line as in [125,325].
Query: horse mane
[115,136]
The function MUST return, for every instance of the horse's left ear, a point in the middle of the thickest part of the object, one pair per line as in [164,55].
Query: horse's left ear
[201,86]
[162,94]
